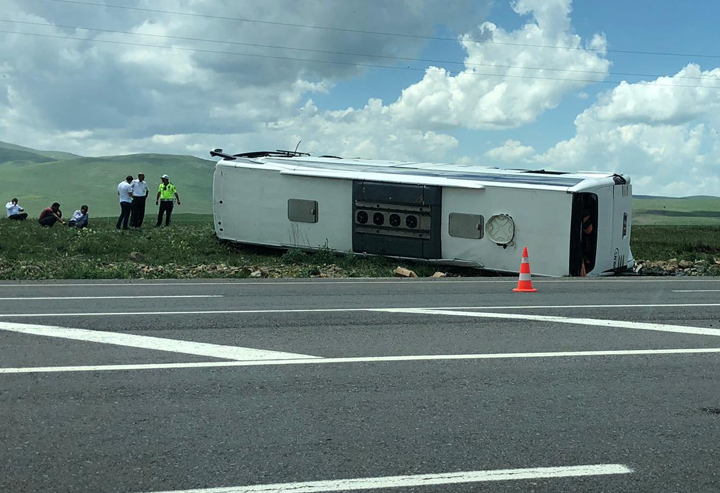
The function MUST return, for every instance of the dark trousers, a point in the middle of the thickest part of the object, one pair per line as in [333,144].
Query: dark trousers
[48,221]
[166,206]
[18,217]
[125,208]
[138,212]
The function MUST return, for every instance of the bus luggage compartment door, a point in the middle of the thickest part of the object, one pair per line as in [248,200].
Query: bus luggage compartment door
[397,219]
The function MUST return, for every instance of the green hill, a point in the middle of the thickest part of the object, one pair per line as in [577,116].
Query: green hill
[15,157]
[697,210]
[53,155]
[39,179]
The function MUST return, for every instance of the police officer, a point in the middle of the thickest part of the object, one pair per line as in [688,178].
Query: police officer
[167,193]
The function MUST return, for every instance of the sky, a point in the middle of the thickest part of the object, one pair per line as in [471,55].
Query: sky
[629,87]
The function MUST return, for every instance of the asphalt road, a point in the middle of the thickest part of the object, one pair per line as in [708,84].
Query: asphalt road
[152,386]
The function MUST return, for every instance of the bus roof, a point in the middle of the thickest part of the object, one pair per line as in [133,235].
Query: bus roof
[461,176]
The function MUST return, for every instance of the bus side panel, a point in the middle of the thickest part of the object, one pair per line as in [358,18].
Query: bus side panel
[253,206]
[542,223]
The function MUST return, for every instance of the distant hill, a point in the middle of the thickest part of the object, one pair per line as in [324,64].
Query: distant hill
[39,178]
[18,158]
[694,210]
[47,154]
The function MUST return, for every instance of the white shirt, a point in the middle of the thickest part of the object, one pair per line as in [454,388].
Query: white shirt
[78,215]
[125,191]
[139,188]
[12,209]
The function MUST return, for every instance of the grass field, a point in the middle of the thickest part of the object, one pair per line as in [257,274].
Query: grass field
[688,211]
[190,249]
[680,242]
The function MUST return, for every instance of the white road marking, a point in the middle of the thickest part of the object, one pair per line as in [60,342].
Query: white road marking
[332,310]
[681,329]
[155,343]
[423,480]
[360,359]
[696,290]
[35,298]
[320,282]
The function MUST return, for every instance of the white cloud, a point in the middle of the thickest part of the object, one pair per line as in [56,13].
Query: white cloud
[662,134]
[511,151]
[125,94]
[501,86]
[498,89]
[367,132]
[116,97]
[689,94]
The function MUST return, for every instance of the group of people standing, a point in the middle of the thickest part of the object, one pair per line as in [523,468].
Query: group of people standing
[133,195]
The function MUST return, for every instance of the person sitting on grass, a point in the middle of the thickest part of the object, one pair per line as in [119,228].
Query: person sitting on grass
[51,215]
[14,211]
[79,218]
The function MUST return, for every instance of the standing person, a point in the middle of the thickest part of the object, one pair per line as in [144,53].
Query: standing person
[14,211]
[51,215]
[125,193]
[139,196]
[165,196]
[79,218]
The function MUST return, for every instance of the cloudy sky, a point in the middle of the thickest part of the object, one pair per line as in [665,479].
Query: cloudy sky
[627,86]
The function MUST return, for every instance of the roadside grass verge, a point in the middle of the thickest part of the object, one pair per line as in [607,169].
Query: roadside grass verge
[190,249]
[690,243]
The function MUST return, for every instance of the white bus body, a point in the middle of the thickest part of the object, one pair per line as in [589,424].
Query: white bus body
[463,215]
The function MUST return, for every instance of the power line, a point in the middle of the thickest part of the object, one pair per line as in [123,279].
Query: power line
[381,33]
[334,62]
[367,55]
[255,21]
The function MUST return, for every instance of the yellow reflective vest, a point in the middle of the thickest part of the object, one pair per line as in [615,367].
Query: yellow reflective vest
[167,192]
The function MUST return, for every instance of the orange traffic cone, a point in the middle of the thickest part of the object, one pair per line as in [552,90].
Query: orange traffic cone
[525,281]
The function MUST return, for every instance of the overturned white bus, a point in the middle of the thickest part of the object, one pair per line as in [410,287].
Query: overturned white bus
[572,223]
